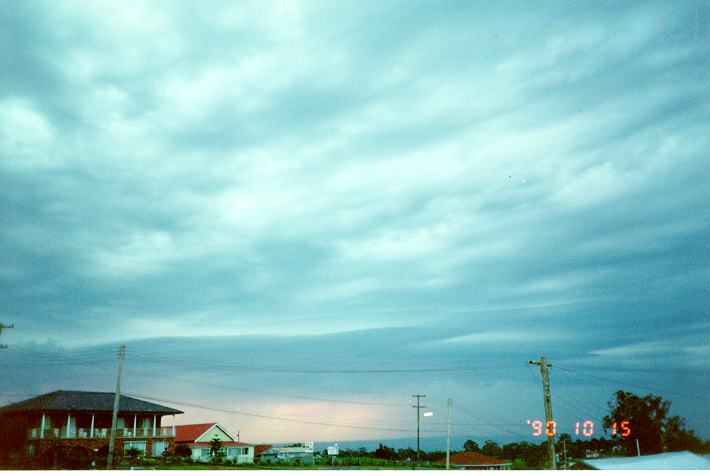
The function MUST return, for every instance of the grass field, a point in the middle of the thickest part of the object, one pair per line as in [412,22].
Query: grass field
[217,467]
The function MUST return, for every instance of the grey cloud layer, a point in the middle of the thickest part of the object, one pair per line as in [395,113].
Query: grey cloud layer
[309,168]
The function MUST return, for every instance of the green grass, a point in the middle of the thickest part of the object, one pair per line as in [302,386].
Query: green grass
[198,466]
[208,467]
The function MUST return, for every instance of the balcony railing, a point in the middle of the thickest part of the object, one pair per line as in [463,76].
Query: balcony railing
[61,433]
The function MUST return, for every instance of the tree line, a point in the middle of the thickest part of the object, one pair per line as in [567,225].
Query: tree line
[649,420]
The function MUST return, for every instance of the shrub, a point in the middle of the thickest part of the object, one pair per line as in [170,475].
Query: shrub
[183,451]
[133,452]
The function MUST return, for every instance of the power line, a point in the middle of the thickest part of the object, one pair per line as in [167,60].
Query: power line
[582,400]
[571,409]
[632,384]
[232,366]
[496,425]
[277,394]
[63,351]
[268,417]
[65,361]
[631,369]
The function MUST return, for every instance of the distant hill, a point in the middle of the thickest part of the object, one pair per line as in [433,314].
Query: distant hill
[426,443]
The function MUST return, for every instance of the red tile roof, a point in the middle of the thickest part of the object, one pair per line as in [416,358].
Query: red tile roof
[471,458]
[258,449]
[189,433]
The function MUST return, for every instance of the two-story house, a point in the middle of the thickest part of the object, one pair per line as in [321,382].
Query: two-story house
[77,425]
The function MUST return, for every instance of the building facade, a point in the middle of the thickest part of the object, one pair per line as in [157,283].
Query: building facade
[76,426]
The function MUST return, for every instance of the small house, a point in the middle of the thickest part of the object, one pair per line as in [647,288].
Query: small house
[474,460]
[198,437]
[296,453]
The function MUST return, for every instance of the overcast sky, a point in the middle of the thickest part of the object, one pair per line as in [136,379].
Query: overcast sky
[239,191]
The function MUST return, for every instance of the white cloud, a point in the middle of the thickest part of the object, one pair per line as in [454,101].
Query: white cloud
[650,349]
[142,253]
[26,137]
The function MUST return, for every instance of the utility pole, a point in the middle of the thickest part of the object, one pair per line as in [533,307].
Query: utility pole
[638,448]
[448,432]
[418,407]
[2,326]
[548,410]
[116,398]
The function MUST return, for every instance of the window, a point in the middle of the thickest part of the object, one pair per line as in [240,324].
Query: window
[237,451]
[139,445]
[159,447]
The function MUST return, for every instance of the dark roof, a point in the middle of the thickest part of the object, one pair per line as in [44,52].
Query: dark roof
[258,449]
[64,400]
[472,458]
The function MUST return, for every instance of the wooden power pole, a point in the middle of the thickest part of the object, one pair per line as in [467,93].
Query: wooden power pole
[418,407]
[116,398]
[448,432]
[548,411]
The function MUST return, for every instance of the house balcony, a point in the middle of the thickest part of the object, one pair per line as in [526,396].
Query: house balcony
[87,433]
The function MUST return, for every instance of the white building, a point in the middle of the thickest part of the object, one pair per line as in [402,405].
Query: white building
[299,452]
[681,460]
[198,438]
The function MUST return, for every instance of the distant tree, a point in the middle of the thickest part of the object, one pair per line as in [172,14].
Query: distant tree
[471,445]
[648,421]
[530,453]
[385,452]
[678,438]
[434,456]
[491,448]
[406,454]
[343,452]
[362,452]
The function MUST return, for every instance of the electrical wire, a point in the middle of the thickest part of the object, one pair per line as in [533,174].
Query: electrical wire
[277,394]
[236,366]
[632,384]
[268,417]
[498,426]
